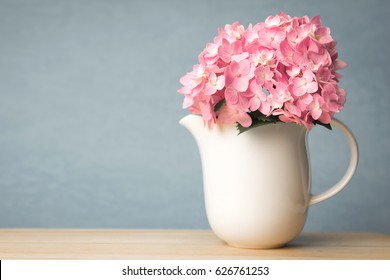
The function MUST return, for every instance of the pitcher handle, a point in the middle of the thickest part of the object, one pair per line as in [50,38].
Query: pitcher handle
[353,162]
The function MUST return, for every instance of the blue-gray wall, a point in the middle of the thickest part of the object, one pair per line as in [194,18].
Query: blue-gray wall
[89,112]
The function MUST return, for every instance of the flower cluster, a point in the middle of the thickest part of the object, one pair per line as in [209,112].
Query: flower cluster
[283,68]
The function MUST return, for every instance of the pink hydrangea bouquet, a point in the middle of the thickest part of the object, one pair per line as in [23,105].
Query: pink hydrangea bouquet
[283,69]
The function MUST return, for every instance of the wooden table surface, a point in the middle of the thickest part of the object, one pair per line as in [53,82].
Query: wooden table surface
[180,244]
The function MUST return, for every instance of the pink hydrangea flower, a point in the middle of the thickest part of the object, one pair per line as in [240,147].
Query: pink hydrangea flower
[304,84]
[231,114]
[285,67]
[238,74]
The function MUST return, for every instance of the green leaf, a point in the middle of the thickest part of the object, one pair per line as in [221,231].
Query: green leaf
[327,125]
[219,105]
[242,129]
[258,119]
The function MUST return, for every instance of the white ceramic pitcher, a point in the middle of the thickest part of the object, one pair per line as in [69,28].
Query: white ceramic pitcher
[257,184]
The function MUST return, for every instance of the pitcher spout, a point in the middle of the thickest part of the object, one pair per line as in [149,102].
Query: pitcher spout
[195,125]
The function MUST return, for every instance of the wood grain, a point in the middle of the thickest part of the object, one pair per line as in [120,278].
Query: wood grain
[180,244]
